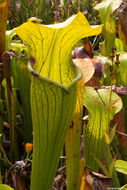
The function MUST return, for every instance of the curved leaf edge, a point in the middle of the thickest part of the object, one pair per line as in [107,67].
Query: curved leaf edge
[5,187]
[78,74]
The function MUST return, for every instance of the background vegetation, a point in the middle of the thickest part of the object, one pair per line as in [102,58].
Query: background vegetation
[94,153]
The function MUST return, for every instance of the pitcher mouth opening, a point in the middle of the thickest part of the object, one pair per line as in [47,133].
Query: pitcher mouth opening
[78,76]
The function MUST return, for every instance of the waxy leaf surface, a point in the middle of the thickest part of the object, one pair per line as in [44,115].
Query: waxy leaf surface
[53,89]
[51,45]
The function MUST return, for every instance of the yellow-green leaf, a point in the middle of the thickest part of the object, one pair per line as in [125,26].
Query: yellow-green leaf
[121,166]
[53,89]
[112,133]
[98,122]
[5,187]
[51,45]
[107,138]
[125,186]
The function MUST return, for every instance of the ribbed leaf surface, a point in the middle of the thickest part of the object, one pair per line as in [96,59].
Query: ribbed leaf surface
[99,119]
[51,115]
[53,89]
[51,45]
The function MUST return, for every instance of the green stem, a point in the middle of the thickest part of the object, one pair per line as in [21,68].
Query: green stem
[4,154]
[27,158]
[9,99]
[109,155]
[110,94]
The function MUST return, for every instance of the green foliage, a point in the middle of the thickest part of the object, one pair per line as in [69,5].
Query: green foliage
[21,76]
[112,133]
[125,186]
[101,113]
[53,89]
[121,166]
[52,39]
[106,9]
[100,164]
[73,136]
[5,187]
[122,70]
[110,137]
[46,78]
[48,11]
[120,46]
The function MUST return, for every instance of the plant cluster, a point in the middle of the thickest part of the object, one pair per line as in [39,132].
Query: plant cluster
[63,113]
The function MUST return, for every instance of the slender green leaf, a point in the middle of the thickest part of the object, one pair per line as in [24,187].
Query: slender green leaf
[107,139]
[112,133]
[123,188]
[100,164]
[111,166]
